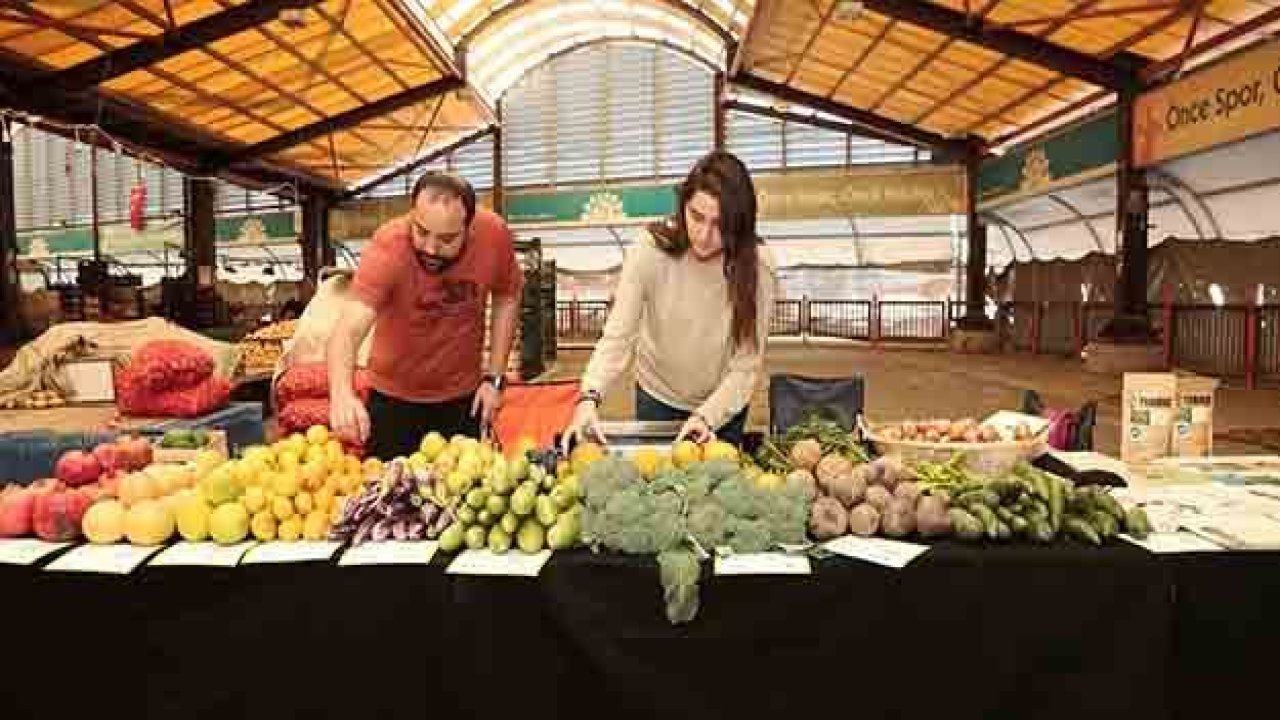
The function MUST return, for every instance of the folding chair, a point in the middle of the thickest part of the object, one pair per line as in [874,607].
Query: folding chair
[793,397]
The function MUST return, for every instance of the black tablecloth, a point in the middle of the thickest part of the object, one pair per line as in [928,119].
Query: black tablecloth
[997,632]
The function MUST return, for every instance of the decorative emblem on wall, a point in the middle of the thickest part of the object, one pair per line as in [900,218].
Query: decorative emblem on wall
[1035,170]
[602,207]
[252,230]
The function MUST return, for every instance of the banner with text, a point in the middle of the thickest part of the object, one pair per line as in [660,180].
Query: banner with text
[1228,101]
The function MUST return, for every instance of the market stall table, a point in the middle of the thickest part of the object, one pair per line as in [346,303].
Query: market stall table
[965,632]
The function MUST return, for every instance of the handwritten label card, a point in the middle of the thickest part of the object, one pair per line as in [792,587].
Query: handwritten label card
[881,551]
[27,551]
[1173,543]
[766,563]
[111,559]
[202,554]
[290,552]
[390,553]
[510,564]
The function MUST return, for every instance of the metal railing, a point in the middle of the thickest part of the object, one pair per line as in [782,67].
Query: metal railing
[1225,341]
[848,319]
[581,320]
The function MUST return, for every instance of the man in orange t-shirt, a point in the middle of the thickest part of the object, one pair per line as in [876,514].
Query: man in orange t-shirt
[422,286]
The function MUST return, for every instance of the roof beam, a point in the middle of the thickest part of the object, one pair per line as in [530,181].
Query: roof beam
[791,117]
[142,132]
[170,43]
[416,163]
[345,120]
[679,6]
[873,124]
[1044,53]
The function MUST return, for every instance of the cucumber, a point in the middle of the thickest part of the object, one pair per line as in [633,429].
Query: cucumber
[1057,502]
[1041,531]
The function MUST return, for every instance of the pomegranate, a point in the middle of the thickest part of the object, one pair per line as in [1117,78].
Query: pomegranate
[77,468]
[56,516]
[16,509]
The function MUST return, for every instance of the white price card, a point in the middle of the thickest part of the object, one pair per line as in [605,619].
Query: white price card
[881,551]
[1173,543]
[765,563]
[390,553]
[113,559]
[202,554]
[514,563]
[290,552]
[27,551]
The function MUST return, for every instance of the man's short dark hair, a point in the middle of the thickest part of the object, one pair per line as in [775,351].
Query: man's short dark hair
[442,183]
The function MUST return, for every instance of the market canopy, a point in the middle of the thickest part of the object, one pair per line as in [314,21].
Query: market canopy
[338,93]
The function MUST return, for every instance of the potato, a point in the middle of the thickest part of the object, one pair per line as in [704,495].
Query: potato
[864,520]
[932,519]
[806,454]
[827,519]
[899,518]
[831,469]
[849,489]
[879,497]
[907,490]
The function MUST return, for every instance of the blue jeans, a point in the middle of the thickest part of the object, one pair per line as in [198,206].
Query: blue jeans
[651,409]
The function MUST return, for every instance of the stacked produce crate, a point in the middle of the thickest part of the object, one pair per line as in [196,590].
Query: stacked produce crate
[261,350]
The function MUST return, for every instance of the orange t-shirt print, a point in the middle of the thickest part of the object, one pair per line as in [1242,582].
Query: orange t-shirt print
[428,338]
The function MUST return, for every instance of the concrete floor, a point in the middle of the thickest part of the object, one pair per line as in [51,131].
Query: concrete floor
[921,383]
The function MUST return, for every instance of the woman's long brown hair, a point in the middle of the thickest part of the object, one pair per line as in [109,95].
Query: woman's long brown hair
[724,177]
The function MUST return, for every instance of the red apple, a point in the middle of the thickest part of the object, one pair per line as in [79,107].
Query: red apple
[76,468]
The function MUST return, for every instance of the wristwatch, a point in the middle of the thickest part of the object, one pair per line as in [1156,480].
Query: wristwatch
[496,380]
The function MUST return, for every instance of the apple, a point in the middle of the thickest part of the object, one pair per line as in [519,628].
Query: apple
[76,468]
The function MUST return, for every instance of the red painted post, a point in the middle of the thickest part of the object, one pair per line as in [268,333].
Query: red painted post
[1251,345]
[1168,323]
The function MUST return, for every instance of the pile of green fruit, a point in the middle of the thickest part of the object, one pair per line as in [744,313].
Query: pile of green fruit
[185,439]
[531,508]
[1037,506]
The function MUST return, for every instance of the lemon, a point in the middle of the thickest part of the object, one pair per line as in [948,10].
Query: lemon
[685,453]
[317,435]
[372,466]
[263,526]
[646,460]
[583,455]
[254,499]
[719,450]
[288,460]
[304,502]
[290,530]
[282,507]
[323,498]
[315,526]
[432,445]
[286,484]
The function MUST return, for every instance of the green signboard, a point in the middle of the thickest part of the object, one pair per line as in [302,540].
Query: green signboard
[1089,147]
[594,205]
[120,238]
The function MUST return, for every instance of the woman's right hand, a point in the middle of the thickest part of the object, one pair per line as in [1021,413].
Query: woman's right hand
[348,418]
[585,423]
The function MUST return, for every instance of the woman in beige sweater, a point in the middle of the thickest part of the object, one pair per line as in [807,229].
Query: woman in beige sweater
[692,310]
